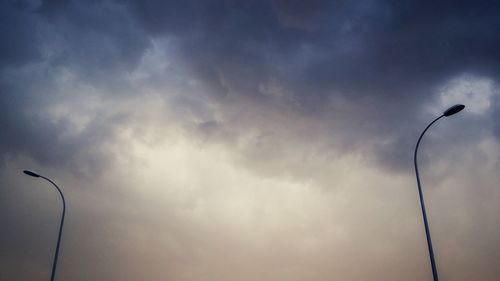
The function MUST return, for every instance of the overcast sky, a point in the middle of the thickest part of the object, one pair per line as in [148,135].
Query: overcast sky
[249,140]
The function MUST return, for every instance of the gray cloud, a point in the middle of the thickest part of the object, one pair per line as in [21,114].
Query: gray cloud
[330,95]
[19,42]
[313,57]
[96,43]
[371,55]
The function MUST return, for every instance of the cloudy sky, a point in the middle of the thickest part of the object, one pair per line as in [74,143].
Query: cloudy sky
[249,140]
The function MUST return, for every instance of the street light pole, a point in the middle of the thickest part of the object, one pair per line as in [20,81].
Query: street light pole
[450,111]
[56,255]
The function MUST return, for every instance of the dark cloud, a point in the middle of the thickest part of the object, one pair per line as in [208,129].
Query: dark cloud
[313,57]
[329,94]
[384,58]
[97,43]
[364,48]
[18,32]
[52,7]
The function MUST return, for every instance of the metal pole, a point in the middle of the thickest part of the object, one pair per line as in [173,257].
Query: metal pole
[56,255]
[422,205]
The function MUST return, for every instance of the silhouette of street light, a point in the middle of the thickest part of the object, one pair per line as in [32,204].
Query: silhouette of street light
[450,111]
[54,264]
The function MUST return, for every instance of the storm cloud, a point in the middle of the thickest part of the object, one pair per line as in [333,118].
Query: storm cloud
[338,63]
[151,113]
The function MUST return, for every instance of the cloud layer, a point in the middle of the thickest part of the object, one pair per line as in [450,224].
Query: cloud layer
[250,139]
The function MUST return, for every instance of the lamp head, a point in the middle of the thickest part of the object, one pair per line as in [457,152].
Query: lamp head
[453,110]
[30,173]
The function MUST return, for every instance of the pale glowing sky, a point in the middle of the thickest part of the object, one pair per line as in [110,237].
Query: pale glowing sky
[249,140]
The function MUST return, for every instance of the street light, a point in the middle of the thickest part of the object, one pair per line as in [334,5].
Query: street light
[450,111]
[54,265]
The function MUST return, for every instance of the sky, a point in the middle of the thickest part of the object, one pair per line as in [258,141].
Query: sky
[249,140]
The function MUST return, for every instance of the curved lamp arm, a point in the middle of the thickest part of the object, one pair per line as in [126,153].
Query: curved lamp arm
[450,111]
[422,204]
[56,255]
